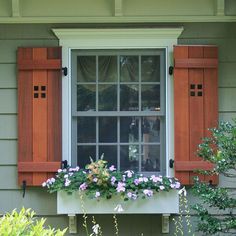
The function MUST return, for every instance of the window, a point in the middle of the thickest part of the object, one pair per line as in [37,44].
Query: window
[118,108]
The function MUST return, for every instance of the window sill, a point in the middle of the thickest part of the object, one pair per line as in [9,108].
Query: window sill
[160,203]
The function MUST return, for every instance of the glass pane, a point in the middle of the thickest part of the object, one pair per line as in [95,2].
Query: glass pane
[129,157]
[150,129]
[110,154]
[86,69]
[107,68]
[129,129]
[128,68]
[151,158]
[129,97]
[107,129]
[150,68]
[86,129]
[150,97]
[107,100]
[83,155]
[86,97]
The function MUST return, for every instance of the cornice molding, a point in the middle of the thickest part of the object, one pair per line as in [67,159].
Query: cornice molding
[120,19]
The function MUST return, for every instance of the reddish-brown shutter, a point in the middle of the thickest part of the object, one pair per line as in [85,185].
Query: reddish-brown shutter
[39,114]
[195,107]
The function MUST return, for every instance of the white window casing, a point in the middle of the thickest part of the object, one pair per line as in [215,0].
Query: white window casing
[124,38]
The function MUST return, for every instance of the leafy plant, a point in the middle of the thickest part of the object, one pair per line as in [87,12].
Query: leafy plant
[219,149]
[97,180]
[25,224]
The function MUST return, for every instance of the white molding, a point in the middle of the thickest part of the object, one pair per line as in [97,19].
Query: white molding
[220,7]
[15,5]
[141,38]
[121,19]
[118,11]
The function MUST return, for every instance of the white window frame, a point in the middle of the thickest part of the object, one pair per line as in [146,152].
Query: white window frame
[125,38]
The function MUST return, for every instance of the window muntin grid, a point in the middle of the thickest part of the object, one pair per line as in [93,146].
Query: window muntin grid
[107,114]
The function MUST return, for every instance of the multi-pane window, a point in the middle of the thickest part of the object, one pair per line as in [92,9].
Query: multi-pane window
[118,108]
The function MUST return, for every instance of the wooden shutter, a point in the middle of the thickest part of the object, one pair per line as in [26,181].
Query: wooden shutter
[39,114]
[195,107]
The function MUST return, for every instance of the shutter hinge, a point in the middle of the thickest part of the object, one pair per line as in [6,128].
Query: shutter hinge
[23,187]
[171,70]
[65,71]
[171,163]
[64,164]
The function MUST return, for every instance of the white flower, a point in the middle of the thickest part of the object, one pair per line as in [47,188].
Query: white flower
[118,208]
[59,170]
[96,229]
[44,184]
[183,190]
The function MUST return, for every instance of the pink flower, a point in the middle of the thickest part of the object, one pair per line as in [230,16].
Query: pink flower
[156,179]
[112,168]
[129,173]
[120,187]
[83,186]
[162,187]
[148,192]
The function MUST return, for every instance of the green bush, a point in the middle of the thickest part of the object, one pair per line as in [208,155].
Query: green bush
[25,224]
[219,149]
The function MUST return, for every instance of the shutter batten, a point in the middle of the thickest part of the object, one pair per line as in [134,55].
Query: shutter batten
[195,105]
[39,108]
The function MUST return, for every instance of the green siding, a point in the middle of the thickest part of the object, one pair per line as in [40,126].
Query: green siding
[36,199]
[8,48]
[8,100]
[8,76]
[8,127]
[8,152]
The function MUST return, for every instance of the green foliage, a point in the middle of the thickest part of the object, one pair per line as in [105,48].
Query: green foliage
[99,181]
[25,224]
[219,149]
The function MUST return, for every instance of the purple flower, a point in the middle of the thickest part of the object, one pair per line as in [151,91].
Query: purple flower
[67,182]
[97,194]
[129,173]
[129,195]
[113,180]
[148,192]
[83,186]
[172,185]
[162,187]
[120,187]
[134,196]
[177,185]
[112,168]
[136,181]
[155,179]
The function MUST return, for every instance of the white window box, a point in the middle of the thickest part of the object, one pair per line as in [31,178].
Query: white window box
[160,203]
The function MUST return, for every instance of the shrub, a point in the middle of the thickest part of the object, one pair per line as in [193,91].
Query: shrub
[25,224]
[219,149]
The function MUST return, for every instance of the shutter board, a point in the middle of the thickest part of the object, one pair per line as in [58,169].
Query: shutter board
[195,88]
[39,107]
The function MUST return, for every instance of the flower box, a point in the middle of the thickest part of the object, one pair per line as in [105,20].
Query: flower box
[160,203]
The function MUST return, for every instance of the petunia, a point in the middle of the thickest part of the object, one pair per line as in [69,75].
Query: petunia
[148,192]
[97,194]
[120,187]
[83,186]
[112,168]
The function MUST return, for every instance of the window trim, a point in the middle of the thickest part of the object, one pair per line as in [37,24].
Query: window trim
[140,38]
